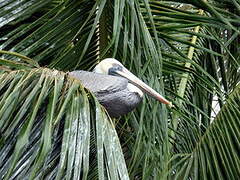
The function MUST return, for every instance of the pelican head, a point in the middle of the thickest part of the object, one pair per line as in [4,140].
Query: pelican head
[111,66]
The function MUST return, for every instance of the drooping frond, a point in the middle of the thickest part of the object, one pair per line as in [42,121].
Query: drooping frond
[188,50]
[51,127]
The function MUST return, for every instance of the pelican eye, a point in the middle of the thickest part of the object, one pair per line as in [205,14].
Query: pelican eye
[114,69]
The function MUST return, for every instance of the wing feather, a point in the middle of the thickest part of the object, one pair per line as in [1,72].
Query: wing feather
[100,83]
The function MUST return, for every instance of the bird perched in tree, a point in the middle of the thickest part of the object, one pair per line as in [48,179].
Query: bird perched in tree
[116,88]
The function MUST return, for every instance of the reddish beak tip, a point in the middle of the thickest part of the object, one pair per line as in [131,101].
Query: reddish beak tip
[170,105]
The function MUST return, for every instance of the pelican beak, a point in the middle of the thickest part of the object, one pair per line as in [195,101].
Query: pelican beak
[140,84]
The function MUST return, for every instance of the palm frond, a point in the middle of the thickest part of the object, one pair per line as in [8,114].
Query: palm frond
[151,38]
[62,23]
[52,128]
[216,154]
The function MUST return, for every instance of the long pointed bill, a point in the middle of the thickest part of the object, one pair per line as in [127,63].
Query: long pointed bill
[140,84]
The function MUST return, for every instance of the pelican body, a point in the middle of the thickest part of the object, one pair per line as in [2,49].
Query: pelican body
[116,88]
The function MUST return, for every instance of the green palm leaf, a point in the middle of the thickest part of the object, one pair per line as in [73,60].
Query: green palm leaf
[50,127]
[45,117]
[217,153]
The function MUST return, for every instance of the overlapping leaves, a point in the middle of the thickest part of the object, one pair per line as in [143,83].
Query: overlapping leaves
[52,128]
[217,152]
[74,34]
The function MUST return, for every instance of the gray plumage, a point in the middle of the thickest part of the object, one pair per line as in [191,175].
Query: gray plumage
[111,91]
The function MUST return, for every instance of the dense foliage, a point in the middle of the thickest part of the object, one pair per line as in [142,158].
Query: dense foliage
[53,128]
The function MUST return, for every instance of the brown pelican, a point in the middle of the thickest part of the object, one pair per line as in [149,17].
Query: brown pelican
[116,88]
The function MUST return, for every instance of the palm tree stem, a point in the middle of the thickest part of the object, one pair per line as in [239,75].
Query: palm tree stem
[183,82]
